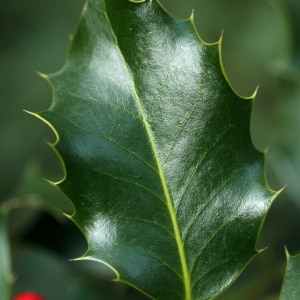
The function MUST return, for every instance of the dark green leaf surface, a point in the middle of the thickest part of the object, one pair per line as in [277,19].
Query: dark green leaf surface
[291,285]
[166,184]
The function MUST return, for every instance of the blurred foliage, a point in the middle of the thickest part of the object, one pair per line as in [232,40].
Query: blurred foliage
[291,279]
[261,46]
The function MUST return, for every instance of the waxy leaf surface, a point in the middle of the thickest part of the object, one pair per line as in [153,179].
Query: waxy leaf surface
[166,184]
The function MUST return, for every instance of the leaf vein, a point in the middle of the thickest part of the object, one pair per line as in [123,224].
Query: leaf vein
[210,270]
[142,250]
[189,180]
[181,126]
[193,265]
[116,106]
[123,180]
[199,212]
[147,221]
[116,143]
[181,250]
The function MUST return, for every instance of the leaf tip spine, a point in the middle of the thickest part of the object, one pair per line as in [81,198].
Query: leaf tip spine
[76,259]
[192,16]
[261,250]
[253,96]
[44,76]
[276,192]
[287,254]
[47,123]
[67,216]
[50,182]
[220,41]
[90,258]
[266,150]
[52,145]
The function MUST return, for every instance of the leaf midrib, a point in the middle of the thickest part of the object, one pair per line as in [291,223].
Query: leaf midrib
[186,275]
[179,242]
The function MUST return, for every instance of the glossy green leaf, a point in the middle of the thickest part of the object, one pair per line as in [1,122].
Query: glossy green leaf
[166,184]
[291,284]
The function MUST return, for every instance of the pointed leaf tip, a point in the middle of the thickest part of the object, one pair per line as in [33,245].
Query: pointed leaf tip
[44,76]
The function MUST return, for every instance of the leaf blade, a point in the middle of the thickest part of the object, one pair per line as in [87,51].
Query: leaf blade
[167,135]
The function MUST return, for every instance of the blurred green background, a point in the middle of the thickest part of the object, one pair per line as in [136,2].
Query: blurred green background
[261,46]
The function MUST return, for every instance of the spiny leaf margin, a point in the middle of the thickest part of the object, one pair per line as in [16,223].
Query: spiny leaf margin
[54,146]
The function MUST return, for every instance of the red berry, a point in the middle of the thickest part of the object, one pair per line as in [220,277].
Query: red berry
[29,296]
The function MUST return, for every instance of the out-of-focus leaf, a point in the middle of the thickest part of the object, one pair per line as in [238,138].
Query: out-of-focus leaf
[291,285]
[35,192]
[51,276]
[34,36]
[6,278]
[32,196]
[284,154]
[167,186]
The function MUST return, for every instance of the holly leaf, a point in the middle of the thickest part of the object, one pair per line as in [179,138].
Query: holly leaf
[290,288]
[166,184]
